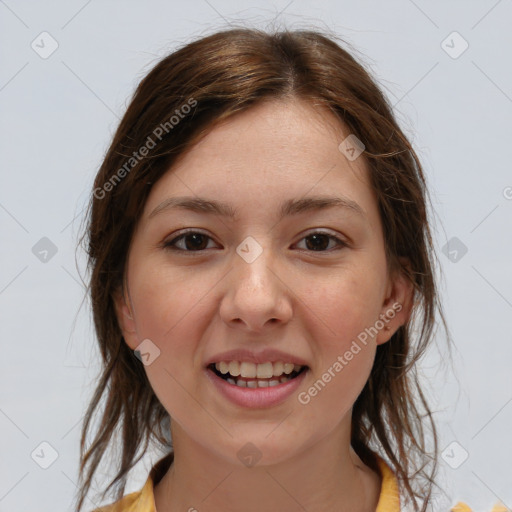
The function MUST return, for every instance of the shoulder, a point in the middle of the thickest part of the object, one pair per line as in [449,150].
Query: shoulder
[128,503]
[389,500]
[140,501]
[143,500]
[462,507]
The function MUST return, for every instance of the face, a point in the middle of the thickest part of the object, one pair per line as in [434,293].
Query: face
[262,249]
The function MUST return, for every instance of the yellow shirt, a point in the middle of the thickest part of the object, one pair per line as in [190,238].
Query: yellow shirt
[144,500]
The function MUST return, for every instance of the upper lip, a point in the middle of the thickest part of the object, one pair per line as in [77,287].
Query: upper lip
[257,357]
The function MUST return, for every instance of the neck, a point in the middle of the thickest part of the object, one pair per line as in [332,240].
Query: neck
[203,481]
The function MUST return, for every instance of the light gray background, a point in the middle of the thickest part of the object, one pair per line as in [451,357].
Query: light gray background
[58,115]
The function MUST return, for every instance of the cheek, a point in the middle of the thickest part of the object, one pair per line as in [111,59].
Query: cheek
[346,303]
[173,310]
[345,350]
[169,311]
[166,301]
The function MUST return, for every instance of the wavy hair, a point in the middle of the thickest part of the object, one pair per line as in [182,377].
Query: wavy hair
[218,76]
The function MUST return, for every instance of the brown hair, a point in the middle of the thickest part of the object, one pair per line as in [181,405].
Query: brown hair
[218,76]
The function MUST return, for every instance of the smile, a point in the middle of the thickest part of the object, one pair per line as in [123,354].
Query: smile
[246,374]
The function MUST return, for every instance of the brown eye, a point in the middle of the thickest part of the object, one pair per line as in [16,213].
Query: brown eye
[191,241]
[322,242]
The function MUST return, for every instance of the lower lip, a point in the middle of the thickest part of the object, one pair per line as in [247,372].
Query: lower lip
[256,398]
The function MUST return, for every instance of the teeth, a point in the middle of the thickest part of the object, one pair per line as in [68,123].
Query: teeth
[288,368]
[250,370]
[234,368]
[264,371]
[278,368]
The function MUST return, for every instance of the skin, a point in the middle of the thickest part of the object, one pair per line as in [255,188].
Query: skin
[195,305]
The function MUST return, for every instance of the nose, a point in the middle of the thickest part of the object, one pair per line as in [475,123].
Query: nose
[256,296]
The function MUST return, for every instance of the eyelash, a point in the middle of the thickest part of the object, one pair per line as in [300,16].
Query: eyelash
[170,245]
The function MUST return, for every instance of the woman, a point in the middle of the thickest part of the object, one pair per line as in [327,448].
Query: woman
[259,250]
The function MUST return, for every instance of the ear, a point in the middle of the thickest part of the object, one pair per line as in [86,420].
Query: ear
[398,303]
[125,319]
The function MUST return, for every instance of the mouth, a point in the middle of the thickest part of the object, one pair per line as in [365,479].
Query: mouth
[247,374]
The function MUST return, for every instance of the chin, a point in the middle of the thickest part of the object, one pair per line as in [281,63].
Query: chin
[259,450]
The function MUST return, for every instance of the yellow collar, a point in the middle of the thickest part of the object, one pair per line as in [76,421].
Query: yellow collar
[144,500]
[389,500]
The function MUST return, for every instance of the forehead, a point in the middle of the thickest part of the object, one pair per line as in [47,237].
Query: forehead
[275,151]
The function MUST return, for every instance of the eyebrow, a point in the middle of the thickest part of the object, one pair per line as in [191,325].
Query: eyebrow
[290,207]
